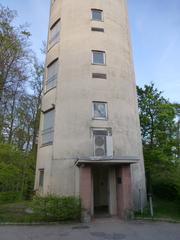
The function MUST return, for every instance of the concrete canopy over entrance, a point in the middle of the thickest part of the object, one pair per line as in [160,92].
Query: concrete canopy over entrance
[105,188]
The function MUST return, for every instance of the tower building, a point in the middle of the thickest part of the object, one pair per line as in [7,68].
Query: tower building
[89,139]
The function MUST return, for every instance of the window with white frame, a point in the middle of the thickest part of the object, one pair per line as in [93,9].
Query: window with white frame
[55,32]
[52,73]
[103,145]
[48,127]
[100,110]
[96,14]
[41,178]
[98,57]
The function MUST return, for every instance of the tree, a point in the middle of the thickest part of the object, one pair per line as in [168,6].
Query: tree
[36,84]
[177,110]
[159,136]
[14,62]
[21,77]
[16,170]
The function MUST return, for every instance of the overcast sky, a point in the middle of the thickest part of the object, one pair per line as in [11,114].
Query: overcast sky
[155,35]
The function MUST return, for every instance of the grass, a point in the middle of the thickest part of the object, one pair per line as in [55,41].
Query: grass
[21,212]
[16,213]
[163,209]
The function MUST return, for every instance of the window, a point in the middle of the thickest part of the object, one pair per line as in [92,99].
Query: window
[99,110]
[41,178]
[48,127]
[98,57]
[97,15]
[55,32]
[100,143]
[99,75]
[95,29]
[52,73]
[103,144]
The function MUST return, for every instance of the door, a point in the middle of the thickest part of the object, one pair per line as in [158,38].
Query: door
[101,190]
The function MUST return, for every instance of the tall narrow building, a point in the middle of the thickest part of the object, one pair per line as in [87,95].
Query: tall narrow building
[89,140]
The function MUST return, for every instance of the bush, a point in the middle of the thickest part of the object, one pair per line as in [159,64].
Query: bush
[165,190]
[10,197]
[54,208]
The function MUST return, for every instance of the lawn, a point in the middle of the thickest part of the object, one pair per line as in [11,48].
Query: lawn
[45,209]
[164,209]
[17,213]
[167,209]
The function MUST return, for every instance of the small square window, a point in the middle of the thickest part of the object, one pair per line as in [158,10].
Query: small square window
[97,14]
[99,110]
[98,57]
[41,178]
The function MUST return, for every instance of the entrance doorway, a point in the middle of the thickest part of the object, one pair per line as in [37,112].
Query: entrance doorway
[101,191]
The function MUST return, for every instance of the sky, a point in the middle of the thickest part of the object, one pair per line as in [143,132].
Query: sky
[155,37]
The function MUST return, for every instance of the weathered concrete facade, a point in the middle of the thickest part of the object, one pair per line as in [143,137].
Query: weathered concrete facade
[68,159]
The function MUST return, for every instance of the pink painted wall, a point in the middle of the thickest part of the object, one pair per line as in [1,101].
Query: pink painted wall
[124,194]
[85,191]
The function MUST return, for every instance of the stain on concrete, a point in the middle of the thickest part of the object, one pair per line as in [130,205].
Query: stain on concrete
[80,227]
[113,236]
[64,234]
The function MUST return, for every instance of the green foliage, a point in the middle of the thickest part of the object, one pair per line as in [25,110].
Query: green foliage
[157,117]
[163,209]
[21,77]
[16,171]
[53,208]
[9,197]
[165,190]
[17,213]
[160,131]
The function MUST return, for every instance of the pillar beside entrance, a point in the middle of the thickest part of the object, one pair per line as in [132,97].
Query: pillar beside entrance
[124,194]
[85,192]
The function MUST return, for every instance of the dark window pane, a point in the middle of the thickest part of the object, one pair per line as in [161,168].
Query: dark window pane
[99,75]
[41,177]
[97,29]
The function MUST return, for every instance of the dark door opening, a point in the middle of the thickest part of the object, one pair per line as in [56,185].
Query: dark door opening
[101,191]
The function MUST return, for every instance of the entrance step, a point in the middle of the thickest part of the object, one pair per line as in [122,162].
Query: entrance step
[108,219]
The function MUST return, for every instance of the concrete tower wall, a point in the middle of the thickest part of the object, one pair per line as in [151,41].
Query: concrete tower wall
[76,90]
